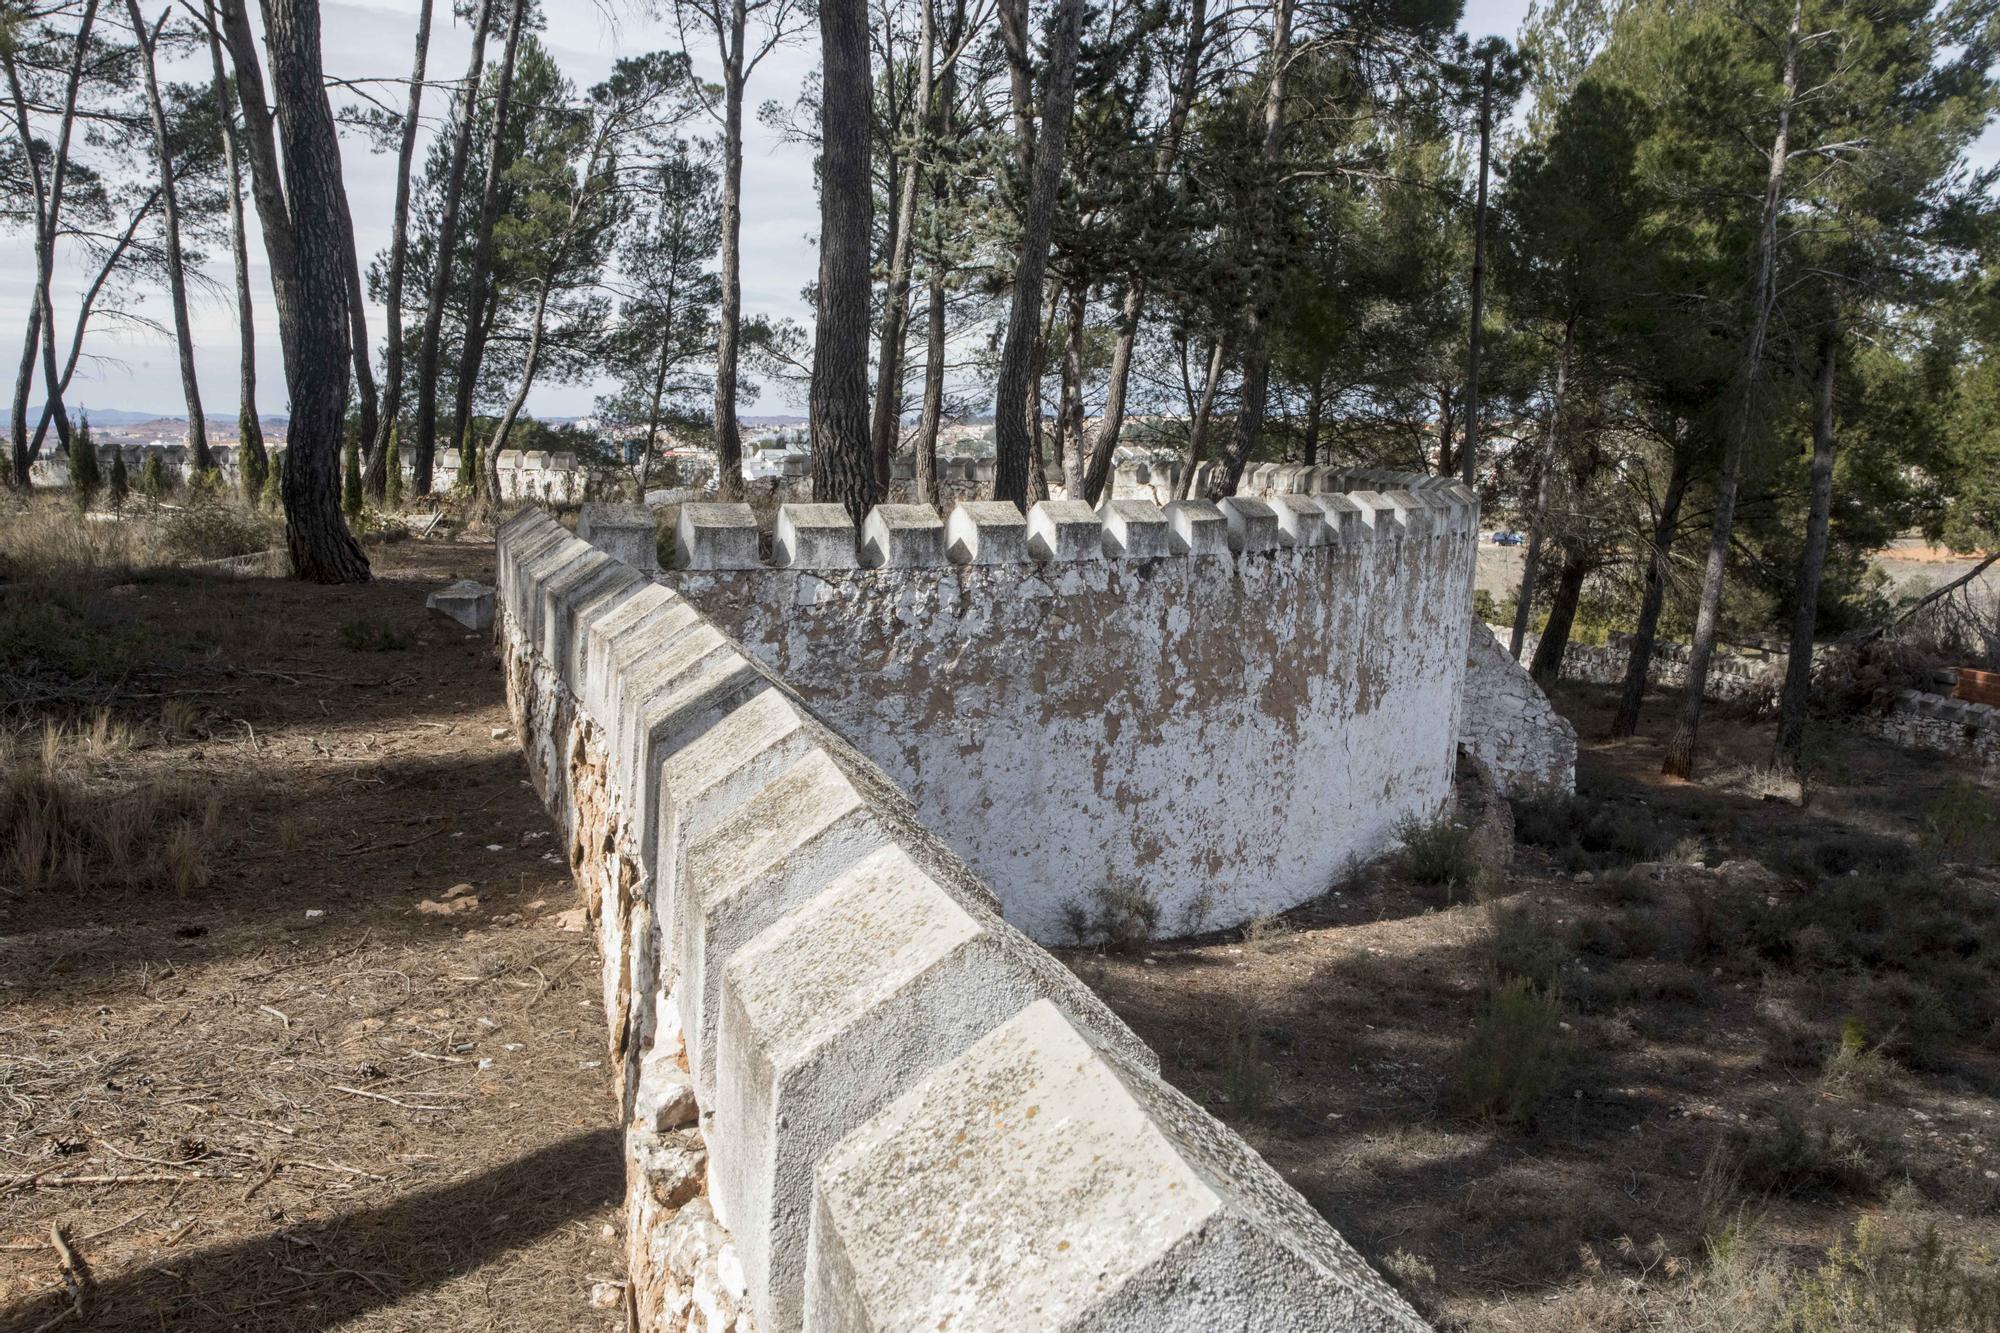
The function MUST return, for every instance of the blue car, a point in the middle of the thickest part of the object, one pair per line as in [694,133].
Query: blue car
[1506,539]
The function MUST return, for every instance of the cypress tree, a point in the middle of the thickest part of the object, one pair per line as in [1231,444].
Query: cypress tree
[274,484]
[85,480]
[392,463]
[152,478]
[350,480]
[121,485]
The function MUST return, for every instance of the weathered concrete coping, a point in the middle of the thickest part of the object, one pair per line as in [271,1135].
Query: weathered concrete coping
[715,536]
[986,532]
[625,531]
[814,536]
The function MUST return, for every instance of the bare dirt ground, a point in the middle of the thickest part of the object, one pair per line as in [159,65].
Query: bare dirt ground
[262,1085]
[1695,1130]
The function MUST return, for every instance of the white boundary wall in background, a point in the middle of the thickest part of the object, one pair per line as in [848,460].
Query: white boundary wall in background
[913,1117]
[1207,714]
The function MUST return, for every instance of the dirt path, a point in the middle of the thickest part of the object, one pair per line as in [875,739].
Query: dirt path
[291,1097]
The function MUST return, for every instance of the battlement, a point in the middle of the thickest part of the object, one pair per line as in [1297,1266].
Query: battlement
[912,1116]
[1095,708]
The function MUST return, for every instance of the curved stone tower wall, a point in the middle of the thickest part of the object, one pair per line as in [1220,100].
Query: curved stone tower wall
[1197,715]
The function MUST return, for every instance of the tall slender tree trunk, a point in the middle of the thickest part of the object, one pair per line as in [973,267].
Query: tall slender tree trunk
[41,330]
[113,259]
[933,418]
[886,422]
[1315,406]
[1014,444]
[375,479]
[171,216]
[1097,470]
[1256,317]
[479,280]
[24,383]
[429,349]
[1545,472]
[1679,759]
[1797,693]
[251,461]
[1218,355]
[729,319]
[1654,597]
[260,146]
[1070,425]
[1546,667]
[1468,462]
[313,325]
[843,470]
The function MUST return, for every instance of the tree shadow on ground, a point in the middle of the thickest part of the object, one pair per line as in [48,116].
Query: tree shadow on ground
[320,1274]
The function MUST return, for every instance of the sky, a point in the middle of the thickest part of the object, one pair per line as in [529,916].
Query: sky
[135,369]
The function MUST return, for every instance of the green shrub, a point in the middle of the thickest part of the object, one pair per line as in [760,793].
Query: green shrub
[1820,1159]
[1526,946]
[1857,1067]
[1581,832]
[1439,853]
[85,480]
[1962,823]
[153,483]
[52,636]
[212,529]
[372,636]
[1513,1058]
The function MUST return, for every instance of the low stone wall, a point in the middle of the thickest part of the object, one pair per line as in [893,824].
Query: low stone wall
[1730,675]
[1509,725]
[1180,718]
[908,1116]
[1937,722]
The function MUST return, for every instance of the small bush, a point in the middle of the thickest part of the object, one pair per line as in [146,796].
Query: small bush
[1525,946]
[55,638]
[1439,853]
[1855,1066]
[1962,823]
[371,636]
[1512,1060]
[1864,1285]
[208,528]
[85,478]
[1816,1160]
[1581,832]
[1121,918]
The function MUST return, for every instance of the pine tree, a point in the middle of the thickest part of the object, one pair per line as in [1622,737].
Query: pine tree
[350,479]
[121,485]
[393,462]
[84,478]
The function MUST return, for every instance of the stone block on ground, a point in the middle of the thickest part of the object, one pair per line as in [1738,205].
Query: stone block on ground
[468,602]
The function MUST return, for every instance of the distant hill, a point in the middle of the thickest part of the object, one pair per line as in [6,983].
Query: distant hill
[117,416]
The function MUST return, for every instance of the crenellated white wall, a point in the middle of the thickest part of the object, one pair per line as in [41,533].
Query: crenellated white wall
[828,1041]
[1216,710]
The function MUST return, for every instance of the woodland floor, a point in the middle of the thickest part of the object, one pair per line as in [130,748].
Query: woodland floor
[262,1088]
[1694,1101]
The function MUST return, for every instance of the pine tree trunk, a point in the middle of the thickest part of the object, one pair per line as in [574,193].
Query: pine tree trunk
[1545,471]
[843,471]
[24,383]
[250,458]
[933,418]
[1014,443]
[1546,667]
[429,349]
[375,479]
[267,181]
[1679,760]
[113,260]
[312,316]
[1074,458]
[1256,318]
[729,319]
[887,420]
[1314,407]
[171,215]
[1198,431]
[1797,692]
[479,280]
[1468,461]
[1653,599]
